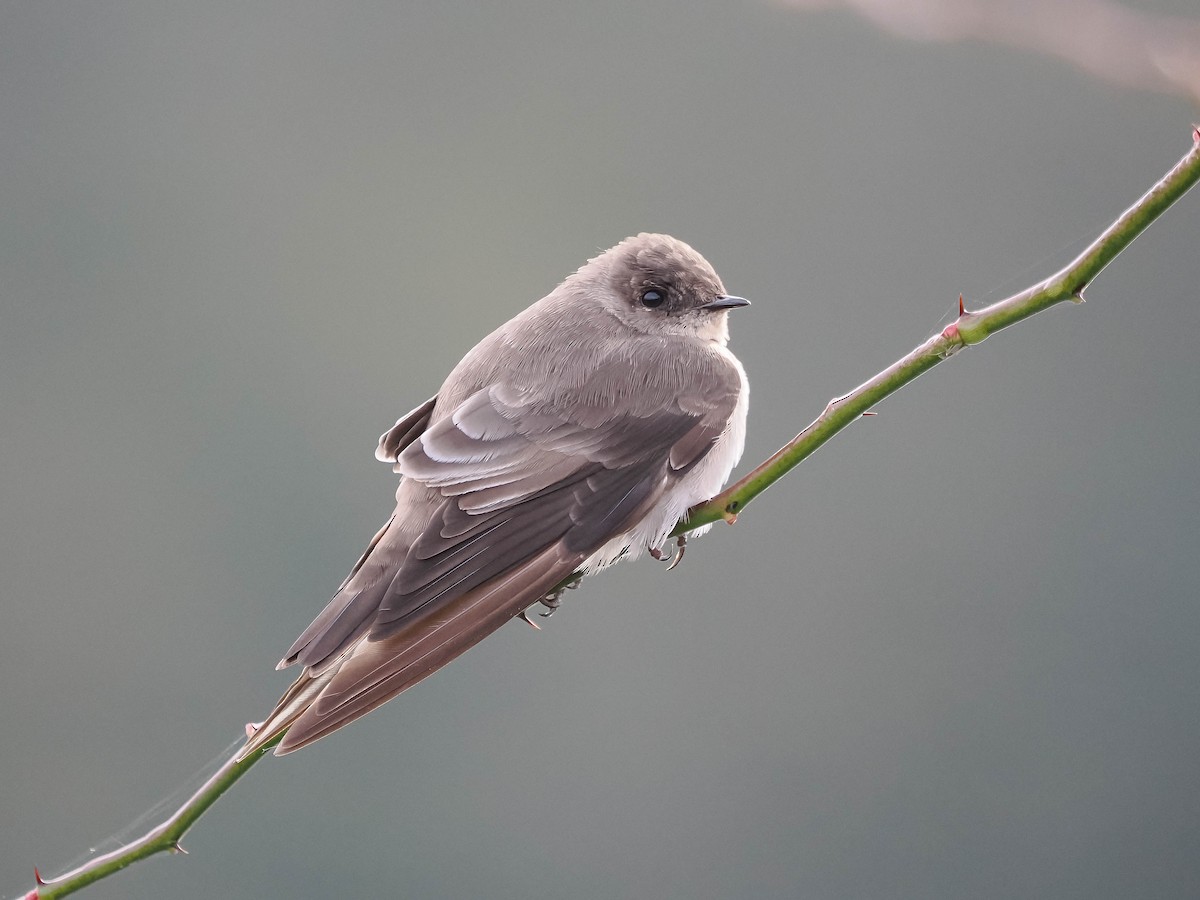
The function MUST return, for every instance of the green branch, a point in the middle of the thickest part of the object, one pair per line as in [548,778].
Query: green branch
[970,328]
[162,838]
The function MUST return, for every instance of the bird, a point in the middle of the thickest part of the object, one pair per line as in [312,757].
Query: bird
[575,435]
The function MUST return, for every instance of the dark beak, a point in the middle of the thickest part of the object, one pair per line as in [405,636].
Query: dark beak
[726,303]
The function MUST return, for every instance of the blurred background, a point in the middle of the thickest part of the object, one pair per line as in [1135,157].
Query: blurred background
[953,654]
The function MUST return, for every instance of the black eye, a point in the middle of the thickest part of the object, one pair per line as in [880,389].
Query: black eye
[653,298]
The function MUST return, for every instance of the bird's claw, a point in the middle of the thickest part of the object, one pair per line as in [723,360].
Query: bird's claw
[674,558]
[681,544]
[553,600]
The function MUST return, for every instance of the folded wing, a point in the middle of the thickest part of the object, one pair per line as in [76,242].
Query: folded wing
[517,492]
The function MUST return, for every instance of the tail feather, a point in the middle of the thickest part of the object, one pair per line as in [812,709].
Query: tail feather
[300,696]
[375,671]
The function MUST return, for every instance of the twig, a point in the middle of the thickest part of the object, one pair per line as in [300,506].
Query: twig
[970,328]
[162,838]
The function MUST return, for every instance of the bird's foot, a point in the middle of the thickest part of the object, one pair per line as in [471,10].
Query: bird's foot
[674,558]
[553,600]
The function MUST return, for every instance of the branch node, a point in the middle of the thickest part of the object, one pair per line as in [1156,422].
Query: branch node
[954,341]
[831,406]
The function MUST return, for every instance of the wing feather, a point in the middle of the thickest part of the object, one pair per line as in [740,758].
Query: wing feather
[407,429]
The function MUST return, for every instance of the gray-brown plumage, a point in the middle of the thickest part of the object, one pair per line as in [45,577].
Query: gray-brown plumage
[577,433]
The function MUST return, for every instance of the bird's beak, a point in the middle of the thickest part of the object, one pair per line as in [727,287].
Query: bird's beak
[726,303]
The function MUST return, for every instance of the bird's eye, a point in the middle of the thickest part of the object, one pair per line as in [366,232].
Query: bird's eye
[653,298]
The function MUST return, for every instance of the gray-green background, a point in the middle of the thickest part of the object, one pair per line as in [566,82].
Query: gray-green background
[955,654]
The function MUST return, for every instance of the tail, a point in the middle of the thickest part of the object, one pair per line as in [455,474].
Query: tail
[299,697]
[371,672]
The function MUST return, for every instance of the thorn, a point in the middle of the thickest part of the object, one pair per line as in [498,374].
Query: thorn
[962,310]
[1196,134]
[37,876]
[524,616]
[177,847]
[729,516]
[869,413]
[252,728]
